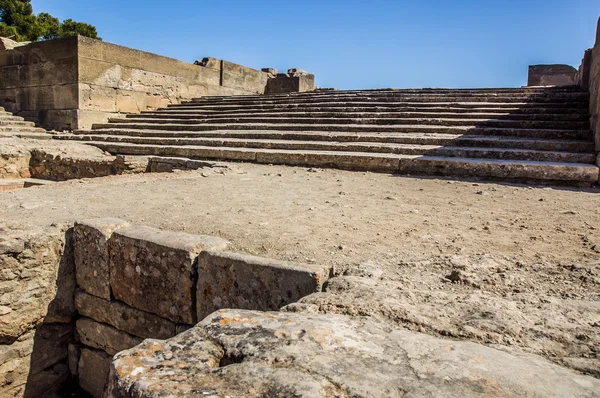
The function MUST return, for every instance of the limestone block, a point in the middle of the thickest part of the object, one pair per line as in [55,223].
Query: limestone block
[36,281]
[244,78]
[94,366]
[91,254]
[123,317]
[154,270]
[309,355]
[209,62]
[552,75]
[231,280]
[104,337]
[271,72]
[90,48]
[121,55]
[99,98]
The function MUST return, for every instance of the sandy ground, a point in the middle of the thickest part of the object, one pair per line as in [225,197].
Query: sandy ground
[512,265]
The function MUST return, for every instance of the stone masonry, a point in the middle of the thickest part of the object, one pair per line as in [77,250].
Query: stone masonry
[74,82]
[136,282]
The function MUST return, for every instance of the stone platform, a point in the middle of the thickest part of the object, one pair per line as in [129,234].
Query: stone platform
[530,134]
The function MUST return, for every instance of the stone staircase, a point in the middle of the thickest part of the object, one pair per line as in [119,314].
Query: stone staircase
[16,126]
[526,134]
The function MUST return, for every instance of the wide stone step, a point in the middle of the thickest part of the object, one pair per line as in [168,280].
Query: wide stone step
[556,106]
[20,129]
[391,138]
[575,95]
[391,163]
[18,183]
[16,123]
[388,121]
[337,113]
[576,102]
[516,132]
[370,147]
[440,91]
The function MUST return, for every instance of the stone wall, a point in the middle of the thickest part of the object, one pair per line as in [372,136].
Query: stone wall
[39,80]
[74,82]
[552,75]
[136,283]
[591,72]
[37,279]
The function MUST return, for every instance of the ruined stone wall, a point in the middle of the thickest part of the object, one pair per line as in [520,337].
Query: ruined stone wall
[136,283]
[592,72]
[74,82]
[37,279]
[115,79]
[39,81]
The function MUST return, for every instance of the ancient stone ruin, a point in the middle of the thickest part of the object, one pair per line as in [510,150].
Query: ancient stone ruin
[214,230]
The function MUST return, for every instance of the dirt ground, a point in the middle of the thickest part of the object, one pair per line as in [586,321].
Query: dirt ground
[512,265]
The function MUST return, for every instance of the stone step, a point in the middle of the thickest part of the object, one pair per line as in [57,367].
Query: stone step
[16,123]
[442,91]
[30,135]
[389,121]
[574,102]
[515,132]
[369,147]
[18,183]
[20,129]
[573,95]
[390,138]
[166,114]
[580,106]
[391,163]
[374,107]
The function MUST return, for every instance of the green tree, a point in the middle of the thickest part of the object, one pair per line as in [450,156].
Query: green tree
[18,21]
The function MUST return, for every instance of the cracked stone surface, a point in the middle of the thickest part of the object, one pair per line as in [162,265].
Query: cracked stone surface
[239,353]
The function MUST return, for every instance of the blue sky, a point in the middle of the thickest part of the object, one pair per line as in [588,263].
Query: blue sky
[354,44]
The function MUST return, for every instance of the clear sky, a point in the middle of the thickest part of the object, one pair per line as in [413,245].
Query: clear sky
[351,43]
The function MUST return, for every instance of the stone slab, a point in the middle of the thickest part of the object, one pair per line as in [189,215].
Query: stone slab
[91,254]
[552,75]
[309,355]
[155,271]
[94,366]
[232,280]
[123,317]
[104,337]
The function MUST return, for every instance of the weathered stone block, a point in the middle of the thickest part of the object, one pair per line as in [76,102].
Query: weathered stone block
[310,355]
[94,367]
[123,317]
[552,75]
[104,337]
[155,271]
[91,254]
[231,280]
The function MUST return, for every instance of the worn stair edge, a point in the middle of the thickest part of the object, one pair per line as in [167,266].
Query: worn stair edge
[403,164]
[543,117]
[388,121]
[402,138]
[399,149]
[541,133]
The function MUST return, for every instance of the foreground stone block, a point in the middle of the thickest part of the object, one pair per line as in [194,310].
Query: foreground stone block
[104,337]
[91,254]
[123,317]
[232,280]
[94,367]
[304,355]
[155,270]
